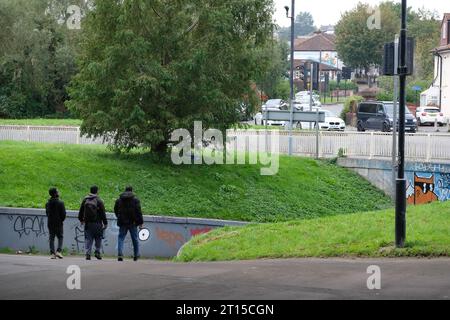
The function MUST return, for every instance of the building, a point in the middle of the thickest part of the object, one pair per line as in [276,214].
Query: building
[441,84]
[319,47]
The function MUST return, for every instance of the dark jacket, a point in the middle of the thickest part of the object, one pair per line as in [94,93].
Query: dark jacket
[56,212]
[101,212]
[128,210]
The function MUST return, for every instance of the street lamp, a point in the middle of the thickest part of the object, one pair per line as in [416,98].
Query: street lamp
[400,207]
[292,17]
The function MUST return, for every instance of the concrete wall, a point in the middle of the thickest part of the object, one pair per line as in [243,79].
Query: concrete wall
[427,182]
[162,237]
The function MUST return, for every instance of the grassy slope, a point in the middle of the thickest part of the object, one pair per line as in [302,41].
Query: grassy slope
[303,188]
[41,122]
[368,234]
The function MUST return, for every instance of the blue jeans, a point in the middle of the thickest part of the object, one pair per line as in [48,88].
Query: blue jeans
[134,237]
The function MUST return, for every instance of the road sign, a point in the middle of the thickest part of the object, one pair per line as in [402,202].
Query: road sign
[417,88]
[299,116]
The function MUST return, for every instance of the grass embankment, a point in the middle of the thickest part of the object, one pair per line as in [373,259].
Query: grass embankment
[42,122]
[303,188]
[357,235]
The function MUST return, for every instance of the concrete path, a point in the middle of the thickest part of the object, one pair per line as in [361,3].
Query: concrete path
[31,277]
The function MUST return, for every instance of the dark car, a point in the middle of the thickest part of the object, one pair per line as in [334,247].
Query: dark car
[379,116]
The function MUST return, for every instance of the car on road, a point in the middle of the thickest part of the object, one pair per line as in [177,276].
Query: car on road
[274,104]
[332,122]
[429,116]
[379,116]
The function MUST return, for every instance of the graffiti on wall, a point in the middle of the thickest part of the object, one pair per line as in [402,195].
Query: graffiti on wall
[29,225]
[426,188]
[200,231]
[173,239]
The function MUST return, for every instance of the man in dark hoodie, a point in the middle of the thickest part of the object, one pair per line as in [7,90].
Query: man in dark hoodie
[93,216]
[56,214]
[129,218]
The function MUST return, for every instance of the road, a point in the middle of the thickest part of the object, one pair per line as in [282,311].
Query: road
[337,110]
[36,277]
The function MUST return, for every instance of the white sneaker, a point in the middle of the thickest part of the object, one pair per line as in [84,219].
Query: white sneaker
[59,255]
[53,257]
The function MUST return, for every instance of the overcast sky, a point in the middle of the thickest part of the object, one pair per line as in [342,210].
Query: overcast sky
[327,12]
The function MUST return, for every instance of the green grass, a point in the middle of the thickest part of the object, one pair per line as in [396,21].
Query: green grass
[303,188]
[357,235]
[42,122]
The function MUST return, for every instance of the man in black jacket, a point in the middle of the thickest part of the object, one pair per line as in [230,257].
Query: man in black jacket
[56,214]
[129,218]
[93,216]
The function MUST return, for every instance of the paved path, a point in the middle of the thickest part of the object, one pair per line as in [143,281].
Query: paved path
[25,277]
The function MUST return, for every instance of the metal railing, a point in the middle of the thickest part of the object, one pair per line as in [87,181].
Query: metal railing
[419,147]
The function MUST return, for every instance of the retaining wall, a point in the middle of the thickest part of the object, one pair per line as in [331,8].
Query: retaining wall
[162,237]
[427,182]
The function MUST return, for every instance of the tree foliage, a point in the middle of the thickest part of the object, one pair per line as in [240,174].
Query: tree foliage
[36,58]
[360,47]
[357,45]
[304,25]
[149,67]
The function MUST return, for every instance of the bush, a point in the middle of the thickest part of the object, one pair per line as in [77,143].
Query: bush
[350,86]
[349,102]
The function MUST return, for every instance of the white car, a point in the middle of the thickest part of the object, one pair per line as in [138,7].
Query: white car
[274,104]
[429,115]
[332,122]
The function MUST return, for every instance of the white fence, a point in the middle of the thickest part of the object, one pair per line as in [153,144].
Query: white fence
[419,147]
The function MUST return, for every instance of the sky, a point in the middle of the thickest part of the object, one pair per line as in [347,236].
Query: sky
[327,12]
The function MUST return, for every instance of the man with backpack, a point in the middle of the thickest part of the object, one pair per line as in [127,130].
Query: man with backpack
[129,218]
[56,214]
[93,216]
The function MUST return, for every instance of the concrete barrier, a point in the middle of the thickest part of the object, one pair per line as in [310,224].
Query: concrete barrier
[427,182]
[162,237]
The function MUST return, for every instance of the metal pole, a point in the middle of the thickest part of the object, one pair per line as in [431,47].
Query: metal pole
[311,71]
[400,208]
[292,75]
[317,135]
[395,119]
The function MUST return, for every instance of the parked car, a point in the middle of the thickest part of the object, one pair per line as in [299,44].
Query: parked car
[304,98]
[379,115]
[332,122]
[274,104]
[429,115]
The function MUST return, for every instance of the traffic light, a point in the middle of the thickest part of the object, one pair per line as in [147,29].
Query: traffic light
[301,72]
[389,57]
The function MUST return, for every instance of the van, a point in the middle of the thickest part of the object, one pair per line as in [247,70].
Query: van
[379,115]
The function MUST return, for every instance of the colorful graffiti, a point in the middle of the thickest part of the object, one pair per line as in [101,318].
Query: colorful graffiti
[199,231]
[173,239]
[428,187]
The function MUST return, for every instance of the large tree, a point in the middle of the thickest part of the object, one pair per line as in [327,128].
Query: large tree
[425,27]
[147,68]
[36,58]
[360,46]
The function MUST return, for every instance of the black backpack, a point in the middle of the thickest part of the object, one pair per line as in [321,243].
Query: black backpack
[91,210]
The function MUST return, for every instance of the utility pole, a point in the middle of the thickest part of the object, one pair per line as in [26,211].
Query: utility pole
[395,118]
[400,208]
[292,17]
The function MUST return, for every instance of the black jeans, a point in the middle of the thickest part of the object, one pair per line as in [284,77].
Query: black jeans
[56,232]
[93,233]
